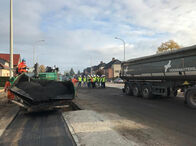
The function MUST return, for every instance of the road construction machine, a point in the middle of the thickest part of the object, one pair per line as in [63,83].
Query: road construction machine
[41,91]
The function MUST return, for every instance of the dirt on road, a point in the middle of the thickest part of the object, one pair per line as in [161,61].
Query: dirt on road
[8,112]
[161,121]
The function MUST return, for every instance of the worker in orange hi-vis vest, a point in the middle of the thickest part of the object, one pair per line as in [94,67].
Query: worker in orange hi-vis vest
[10,95]
[74,81]
[22,67]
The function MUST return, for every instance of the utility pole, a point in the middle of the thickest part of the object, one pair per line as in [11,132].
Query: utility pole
[11,38]
[34,50]
[123,45]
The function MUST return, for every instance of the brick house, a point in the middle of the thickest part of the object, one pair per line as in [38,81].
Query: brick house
[112,69]
[94,69]
[4,63]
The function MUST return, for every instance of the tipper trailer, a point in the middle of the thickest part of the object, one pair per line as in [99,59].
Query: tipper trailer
[162,74]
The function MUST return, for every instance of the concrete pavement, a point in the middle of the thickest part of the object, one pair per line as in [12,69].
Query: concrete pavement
[91,128]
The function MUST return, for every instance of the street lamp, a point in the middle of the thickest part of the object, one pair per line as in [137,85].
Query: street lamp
[123,44]
[34,50]
[11,38]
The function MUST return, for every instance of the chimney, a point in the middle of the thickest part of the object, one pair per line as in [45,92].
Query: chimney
[113,59]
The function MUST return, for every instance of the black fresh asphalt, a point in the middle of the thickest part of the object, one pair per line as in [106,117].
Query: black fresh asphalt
[40,129]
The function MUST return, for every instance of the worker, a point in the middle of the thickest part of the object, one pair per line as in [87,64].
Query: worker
[74,80]
[98,81]
[84,81]
[103,81]
[22,67]
[10,95]
[89,81]
[94,81]
[79,81]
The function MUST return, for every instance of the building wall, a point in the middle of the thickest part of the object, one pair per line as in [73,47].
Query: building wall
[109,73]
[116,69]
[4,73]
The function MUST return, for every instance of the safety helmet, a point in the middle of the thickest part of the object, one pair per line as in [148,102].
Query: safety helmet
[23,60]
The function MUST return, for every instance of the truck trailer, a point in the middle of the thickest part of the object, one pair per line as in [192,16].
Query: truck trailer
[162,74]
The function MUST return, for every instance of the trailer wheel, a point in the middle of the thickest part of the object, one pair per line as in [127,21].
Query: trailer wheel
[128,90]
[136,91]
[146,92]
[191,98]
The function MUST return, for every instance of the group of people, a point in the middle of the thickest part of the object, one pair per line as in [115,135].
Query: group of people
[92,81]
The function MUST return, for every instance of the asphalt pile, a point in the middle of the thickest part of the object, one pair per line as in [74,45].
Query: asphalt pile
[41,90]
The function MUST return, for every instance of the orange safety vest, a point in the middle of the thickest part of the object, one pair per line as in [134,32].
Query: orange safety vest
[10,95]
[74,81]
[22,67]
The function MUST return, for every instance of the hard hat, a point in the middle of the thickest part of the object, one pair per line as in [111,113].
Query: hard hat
[23,60]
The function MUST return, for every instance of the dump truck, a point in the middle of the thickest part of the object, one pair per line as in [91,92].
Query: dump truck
[162,74]
[42,91]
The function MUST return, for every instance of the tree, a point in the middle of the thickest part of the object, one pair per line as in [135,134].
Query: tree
[168,46]
[71,72]
[42,68]
[100,72]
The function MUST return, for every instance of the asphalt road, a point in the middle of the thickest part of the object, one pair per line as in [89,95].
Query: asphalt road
[40,129]
[162,121]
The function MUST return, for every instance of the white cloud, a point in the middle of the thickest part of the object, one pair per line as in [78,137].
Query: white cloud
[78,31]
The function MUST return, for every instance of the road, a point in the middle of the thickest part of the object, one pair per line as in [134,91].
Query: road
[162,121]
[40,129]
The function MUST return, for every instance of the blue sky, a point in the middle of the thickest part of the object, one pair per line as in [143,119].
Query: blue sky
[80,33]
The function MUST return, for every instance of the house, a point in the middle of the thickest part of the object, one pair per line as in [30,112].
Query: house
[4,63]
[95,69]
[4,70]
[101,65]
[87,71]
[112,69]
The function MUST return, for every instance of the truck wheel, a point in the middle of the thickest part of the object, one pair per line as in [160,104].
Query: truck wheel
[128,90]
[191,98]
[146,92]
[136,91]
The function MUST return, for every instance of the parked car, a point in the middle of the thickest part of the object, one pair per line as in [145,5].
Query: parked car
[118,80]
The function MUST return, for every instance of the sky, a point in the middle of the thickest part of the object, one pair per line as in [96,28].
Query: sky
[80,33]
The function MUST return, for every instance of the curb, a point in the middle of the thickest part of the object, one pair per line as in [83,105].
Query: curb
[74,135]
